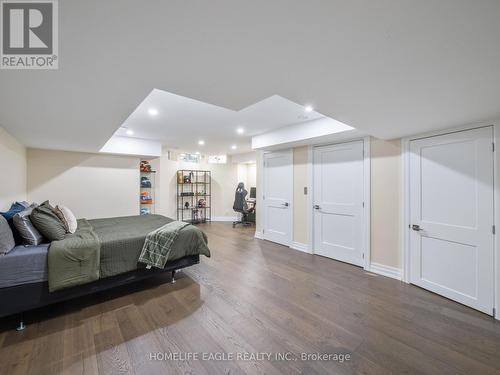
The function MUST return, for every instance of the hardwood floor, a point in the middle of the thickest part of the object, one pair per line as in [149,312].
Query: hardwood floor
[254,297]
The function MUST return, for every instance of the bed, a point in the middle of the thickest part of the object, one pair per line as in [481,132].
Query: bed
[24,271]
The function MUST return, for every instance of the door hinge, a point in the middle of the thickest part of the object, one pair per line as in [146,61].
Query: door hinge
[494,312]
[493,146]
[363,255]
[493,229]
[363,204]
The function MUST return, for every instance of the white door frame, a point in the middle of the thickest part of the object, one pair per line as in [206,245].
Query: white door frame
[264,224]
[405,175]
[366,195]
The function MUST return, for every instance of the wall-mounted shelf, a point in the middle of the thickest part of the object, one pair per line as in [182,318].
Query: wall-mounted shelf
[147,198]
[194,189]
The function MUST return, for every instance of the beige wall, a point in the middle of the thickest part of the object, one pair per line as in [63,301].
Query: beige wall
[91,185]
[300,201]
[386,201]
[247,174]
[12,170]
[224,182]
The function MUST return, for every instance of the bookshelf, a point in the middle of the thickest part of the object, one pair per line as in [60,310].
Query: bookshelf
[194,196]
[147,184]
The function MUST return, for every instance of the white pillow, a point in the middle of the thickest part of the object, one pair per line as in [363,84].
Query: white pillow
[68,218]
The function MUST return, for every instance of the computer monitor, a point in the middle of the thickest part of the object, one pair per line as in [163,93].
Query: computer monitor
[253,192]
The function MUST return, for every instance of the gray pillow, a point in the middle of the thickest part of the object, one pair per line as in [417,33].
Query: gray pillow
[7,242]
[23,224]
[47,222]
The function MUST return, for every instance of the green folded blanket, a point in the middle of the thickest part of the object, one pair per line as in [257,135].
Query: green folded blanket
[74,260]
[158,244]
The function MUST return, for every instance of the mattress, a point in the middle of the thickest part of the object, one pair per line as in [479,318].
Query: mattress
[24,265]
[121,242]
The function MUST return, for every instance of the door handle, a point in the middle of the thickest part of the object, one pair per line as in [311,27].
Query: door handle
[286,204]
[316,207]
[417,227]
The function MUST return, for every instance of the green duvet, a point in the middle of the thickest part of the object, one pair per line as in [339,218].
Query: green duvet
[106,247]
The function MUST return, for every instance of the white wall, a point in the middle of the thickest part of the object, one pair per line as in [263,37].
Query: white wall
[260,184]
[131,146]
[224,182]
[247,173]
[91,185]
[12,170]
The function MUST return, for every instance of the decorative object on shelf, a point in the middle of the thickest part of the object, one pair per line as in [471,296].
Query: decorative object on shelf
[194,199]
[145,182]
[145,166]
[147,188]
[146,198]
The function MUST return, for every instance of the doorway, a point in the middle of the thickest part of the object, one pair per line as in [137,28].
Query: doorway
[450,229]
[278,197]
[340,227]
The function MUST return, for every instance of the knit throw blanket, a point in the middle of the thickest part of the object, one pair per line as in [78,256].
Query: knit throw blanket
[158,244]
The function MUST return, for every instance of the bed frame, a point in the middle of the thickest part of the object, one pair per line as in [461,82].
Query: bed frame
[20,298]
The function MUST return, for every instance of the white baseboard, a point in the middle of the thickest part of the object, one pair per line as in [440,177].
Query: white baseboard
[259,235]
[300,247]
[388,271]
[225,218]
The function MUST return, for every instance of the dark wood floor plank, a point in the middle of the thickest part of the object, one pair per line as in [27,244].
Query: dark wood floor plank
[256,296]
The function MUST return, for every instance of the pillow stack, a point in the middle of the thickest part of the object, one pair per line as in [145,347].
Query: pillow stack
[9,216]
[28,232]
[32,225]
[7,242]
[67,217]
[47,222]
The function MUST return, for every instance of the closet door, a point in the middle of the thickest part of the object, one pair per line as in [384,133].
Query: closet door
[278,193]
[338,202]
[451,213]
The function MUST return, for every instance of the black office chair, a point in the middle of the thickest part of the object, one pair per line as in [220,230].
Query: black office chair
[240,205]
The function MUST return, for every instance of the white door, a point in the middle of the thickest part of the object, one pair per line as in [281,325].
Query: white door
[338,202]
[451,216]
[278,193]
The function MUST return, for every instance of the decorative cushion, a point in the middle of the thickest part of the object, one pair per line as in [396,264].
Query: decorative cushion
[14,209]
[67,217]
[7,242]
[24,204]
[47,222]
[29,234]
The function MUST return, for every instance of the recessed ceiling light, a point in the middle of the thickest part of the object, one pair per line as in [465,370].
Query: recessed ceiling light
[130,132]
[234,147]
[308,108]
[240,130]
[197,152]
[152,111]
[201,142]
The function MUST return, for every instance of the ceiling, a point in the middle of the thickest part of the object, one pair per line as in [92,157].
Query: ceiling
[180,122]
[388,68]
